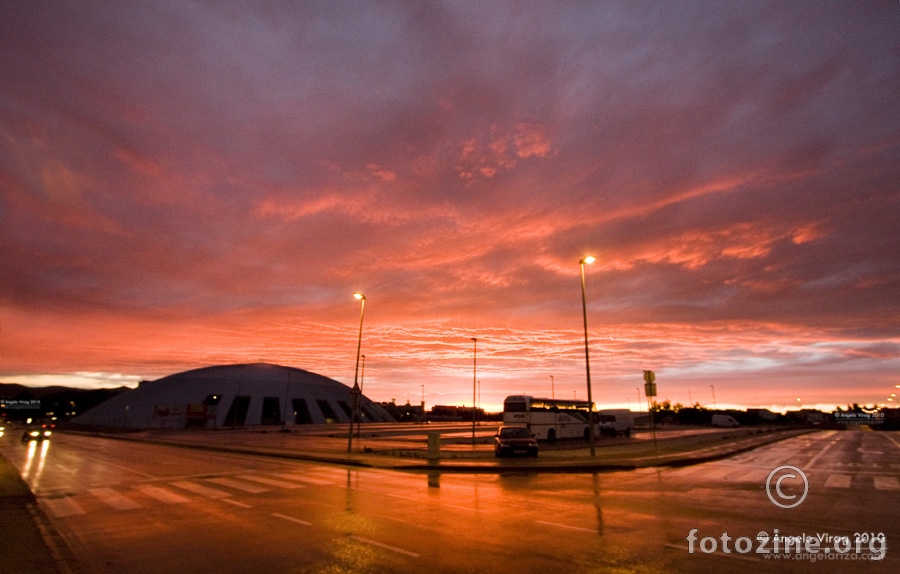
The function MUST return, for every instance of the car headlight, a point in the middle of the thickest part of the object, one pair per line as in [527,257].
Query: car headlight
[33,433]
[46,433]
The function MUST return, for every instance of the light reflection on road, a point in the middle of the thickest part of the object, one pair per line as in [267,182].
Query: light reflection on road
[368,520]
[33,475]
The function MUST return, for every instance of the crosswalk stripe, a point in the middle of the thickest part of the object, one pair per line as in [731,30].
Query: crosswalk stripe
[60,507]
[334,473]
[115,499]
[838,481]
[304,478]
[238,485]
[292,519]
[161,494]
[200,489]
[385,546]
[270,481]
[887,483]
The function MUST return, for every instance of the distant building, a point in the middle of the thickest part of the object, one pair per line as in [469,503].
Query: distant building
[763,414]
[407,413]
[231,396]
[449,413]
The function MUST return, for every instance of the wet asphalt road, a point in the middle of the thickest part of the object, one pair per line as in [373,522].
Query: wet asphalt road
[132,507]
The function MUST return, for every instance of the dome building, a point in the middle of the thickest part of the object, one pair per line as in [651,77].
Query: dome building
[232,396]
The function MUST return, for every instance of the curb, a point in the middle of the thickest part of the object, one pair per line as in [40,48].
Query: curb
[474,468]
[588,467]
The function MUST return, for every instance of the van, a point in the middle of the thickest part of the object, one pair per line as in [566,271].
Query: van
[615,422]
[724,421]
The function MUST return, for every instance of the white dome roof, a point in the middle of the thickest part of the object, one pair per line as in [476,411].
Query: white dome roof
[232,396]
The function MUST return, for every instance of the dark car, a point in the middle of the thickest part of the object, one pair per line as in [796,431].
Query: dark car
[515,440]
[35,434]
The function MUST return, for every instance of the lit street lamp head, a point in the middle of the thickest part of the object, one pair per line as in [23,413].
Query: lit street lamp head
[359,296]
[589,259]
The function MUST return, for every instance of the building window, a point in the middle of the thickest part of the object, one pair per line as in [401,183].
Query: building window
[327,411]
[237,414]
[301,412]
[271,411]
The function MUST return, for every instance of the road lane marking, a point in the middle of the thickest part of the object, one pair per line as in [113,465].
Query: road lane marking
[731,555]
[115,499]
[303,478]
[822,452]
[120,467]
[335,474]
[291,519]
[61,507]
[414,499]
[593,530]
[162,494]
[270,481]
[200,489]
[236,503]
[890,438]
[385,546]
[886,483]
[238,485]
[838,481]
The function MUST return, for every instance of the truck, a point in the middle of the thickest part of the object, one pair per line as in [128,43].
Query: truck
[615,422]
[724,421]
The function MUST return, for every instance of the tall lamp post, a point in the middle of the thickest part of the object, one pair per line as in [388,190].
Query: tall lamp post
[362,386]
[587,360]
[474,382]
[355,391]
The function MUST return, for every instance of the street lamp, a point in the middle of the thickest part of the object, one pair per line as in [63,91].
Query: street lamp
[715,406]
[474,382]
[362,385]
[355,391]
[587,360]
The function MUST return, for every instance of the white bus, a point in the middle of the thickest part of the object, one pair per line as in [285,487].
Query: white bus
[550,419]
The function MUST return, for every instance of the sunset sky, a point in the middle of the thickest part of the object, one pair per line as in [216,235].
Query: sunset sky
[191,183]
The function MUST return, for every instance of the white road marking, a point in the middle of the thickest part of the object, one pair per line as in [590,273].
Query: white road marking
[292,519]
[886,483]
[304,478]
[270,481]
[385,546]
[838,481]
[236,503]
[162,494]
[114,498]
[593,530]
[890,438]
[60,507]
[238,485]
[822,452]
[200,489]
[335,473]
[733,555]
[391,494]
[461,507]
[120,467]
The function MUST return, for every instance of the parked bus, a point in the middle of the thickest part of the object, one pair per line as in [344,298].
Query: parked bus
[550,419]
